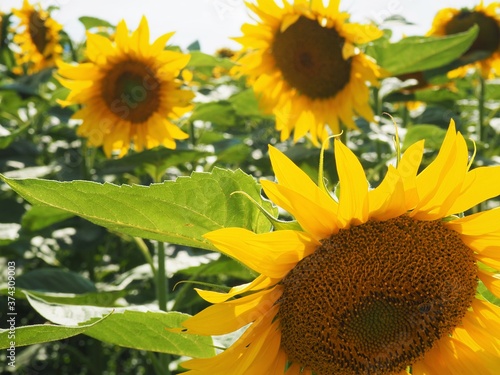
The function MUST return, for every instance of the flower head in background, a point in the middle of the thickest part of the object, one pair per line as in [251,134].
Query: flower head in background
[450,21]
[375,281]
[129,91]
[302,63]
[37,37]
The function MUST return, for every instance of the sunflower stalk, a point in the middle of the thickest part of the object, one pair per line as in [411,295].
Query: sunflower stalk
[162,294]
[480,124]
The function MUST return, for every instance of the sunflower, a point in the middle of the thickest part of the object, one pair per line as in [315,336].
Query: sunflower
[37,37]
[378,281]
[450,21]
[129,91]
[304,67]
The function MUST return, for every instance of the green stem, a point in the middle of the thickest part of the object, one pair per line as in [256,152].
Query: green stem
[480,125]
[161,278]
[192,133]
[376,101]
[145,251]
[162,294]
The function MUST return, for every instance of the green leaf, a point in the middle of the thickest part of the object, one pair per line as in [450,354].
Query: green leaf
[420,53]
[105,298]
[55,280]
[202,60]
[91,22]
[39,333]
[245,103]
[179,212]
[433,135]
[137,329]
[39,217]
[219,113]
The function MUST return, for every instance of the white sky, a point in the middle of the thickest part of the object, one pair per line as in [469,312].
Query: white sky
[213,22]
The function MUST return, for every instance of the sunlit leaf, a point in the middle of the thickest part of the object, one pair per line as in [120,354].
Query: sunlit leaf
[138,329]
[419,53]
[179,212]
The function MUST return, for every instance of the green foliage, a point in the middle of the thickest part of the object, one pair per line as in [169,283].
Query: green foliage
[179,212]
[415,54]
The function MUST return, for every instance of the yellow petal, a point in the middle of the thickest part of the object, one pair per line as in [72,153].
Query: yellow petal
[292,177]
[98,47]
[450,357]
[353,206]
[408,169]
[271,254]
[261,282]
[477,224]
[484,332]
[491,281]
[315,219]
[480,184]
[387,200]
[240,356]
[288,21]
[440,183]
[230,316]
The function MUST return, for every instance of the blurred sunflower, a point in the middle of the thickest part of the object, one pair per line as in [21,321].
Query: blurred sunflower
[303,65]
[129,91]
[38,38]
[450,21]
[376,282]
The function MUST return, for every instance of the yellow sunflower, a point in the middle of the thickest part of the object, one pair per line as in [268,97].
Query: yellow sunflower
[37,37]
[129,91]
[451,21]
[303,65]
[379,281]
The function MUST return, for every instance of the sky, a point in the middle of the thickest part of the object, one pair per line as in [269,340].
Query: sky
[213,22]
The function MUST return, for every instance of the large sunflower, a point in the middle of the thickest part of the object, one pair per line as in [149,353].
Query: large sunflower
[304,67]
[450,21]
[377,282]
[37,37]
[129,91]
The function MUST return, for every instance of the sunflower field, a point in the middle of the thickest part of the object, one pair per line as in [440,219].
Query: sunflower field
[324,200]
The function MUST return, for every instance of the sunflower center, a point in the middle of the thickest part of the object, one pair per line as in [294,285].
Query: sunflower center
[374,298]
[310,58]
[488,38]
[132,91]
[38,31]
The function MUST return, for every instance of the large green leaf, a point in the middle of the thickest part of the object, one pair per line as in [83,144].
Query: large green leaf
[419,53]
[432,134]
[55,280]
[179,212]
[36,334]
[137,329]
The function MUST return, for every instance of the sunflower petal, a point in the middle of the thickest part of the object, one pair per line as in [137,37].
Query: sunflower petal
[312,217]
[353,206]
[480,184]
[387,200]
[291,176]
[271,254]
[261,282]
[237,313]
[240,356]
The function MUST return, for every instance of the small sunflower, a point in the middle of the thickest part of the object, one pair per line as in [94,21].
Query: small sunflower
[129,91]
[38,38]
[450,21]
[303,65]
[376,282]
